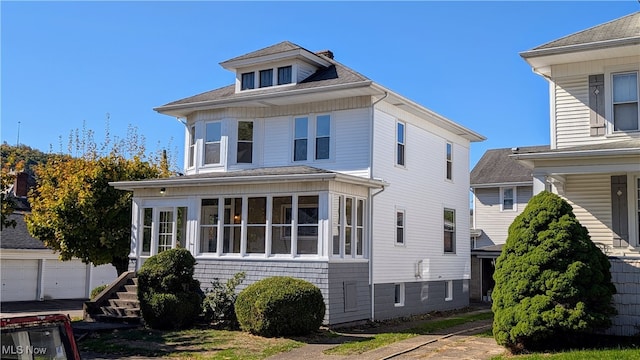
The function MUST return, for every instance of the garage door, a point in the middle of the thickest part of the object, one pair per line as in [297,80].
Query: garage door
[64,280]
[19,280]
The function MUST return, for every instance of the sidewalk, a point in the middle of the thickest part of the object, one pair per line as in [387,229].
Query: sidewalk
[457,342]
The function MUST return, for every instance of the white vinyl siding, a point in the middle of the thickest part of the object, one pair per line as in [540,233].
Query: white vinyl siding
[572,111]
[423,208]
[590,197]
[493,222]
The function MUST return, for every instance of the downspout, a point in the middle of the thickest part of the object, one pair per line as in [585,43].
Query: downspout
[373,105]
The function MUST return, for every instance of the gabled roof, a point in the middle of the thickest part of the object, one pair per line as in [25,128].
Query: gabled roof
[18,237]
[269,50]
[623,28]
[616,38]
[497,167]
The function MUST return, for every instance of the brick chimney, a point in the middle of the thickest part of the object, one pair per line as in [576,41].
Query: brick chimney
[21,184]
[326,53]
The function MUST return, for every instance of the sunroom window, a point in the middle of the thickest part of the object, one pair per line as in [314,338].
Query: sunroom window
[348,226]
[162,229]
[232,225]
[209,226]
[307,225]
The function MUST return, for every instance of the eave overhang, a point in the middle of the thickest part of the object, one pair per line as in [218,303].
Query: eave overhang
[416,109]
[501,184]
[541,60]
[300,54]
[245,180]
[279,98]
[529,159]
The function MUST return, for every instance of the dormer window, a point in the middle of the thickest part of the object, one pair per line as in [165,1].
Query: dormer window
[248,81]
[266,78]
[284,75]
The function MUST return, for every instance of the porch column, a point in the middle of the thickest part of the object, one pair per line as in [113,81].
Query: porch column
[539,183]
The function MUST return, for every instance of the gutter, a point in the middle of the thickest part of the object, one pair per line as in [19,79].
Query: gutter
[577,153]
[207,104]
[581,47]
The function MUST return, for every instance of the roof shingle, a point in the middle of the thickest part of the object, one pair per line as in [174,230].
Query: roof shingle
[497,167]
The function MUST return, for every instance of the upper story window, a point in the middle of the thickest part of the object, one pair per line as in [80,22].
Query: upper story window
[400,227]
[284,75]
[400,134]
[449,231]
[247,81]
[449,161]
[245,142]
[625,101]
[212,143]
[323,136]
[300,139]
[306,128]
[507,198]
[192,146]
[266,78]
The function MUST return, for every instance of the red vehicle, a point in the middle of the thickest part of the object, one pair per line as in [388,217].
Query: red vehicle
[38,337]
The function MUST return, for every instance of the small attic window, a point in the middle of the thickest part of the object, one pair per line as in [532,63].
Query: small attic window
[284,75]
[266,78]
[247,81]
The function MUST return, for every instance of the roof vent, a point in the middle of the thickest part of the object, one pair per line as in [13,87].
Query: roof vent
[515,150]
[326,53]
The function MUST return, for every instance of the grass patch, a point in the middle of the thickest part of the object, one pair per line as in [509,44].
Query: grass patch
[189,344]
[606,354]
[384,339]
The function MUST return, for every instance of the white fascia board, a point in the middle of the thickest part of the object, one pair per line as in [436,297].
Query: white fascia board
[237,101]
[577,153]
[423,112]
[244,180]
[502,184]
[291,54]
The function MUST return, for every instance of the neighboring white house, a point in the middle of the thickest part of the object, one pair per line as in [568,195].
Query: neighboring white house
[304,167]
[594,157]
[501,188]
[31,271]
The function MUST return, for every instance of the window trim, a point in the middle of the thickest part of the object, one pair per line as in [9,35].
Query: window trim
[399,288]
[453,237]
[637,101]
[608,89]
[514,196]
[448,290]
[448,155]
[205,143]
[252,141]
[244,86]
[401,144]
[403,227]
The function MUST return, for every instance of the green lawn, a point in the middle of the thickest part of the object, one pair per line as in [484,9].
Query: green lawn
[384,339]
[606,354]
[187,344]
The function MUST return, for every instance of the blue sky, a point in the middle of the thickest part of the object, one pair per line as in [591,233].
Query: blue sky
[68,63]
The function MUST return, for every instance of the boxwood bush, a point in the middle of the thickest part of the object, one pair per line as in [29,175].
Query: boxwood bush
[170,298]
[279,306]
[553,285]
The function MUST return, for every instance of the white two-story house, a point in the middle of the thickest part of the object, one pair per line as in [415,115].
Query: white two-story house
[594,156]
[303,167]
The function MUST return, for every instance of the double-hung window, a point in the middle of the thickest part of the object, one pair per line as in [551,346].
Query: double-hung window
[449,231]
[400,135]
[266,78]
[625,101]
[449,161]
[300,139]
[507,196]
[400,225]
[245,142]
[284,75]
[323,136]
[212,143]
[192,146]
[247,81]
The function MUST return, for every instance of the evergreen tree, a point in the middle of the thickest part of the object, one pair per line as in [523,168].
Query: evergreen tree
[552,283]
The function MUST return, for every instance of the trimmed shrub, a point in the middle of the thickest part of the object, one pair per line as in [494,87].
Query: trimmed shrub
[218,304]
[97,290]
[280,306]
[553,285]
[170,298]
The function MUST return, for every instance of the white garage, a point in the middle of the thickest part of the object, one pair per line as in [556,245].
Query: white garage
[19,280]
